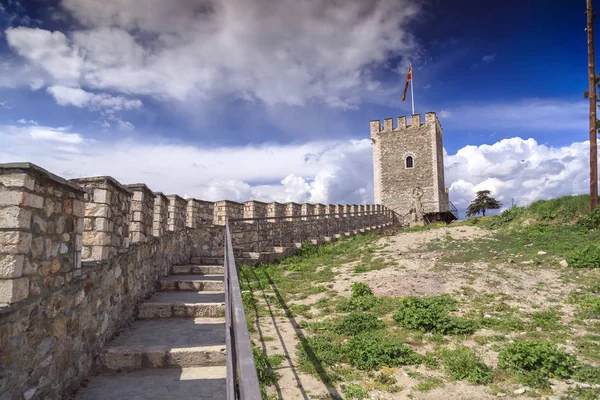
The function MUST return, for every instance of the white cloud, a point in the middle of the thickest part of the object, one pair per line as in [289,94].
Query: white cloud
[5,104]
[518,169]
[78,97]
[445,114]
[489,58]
[278,52]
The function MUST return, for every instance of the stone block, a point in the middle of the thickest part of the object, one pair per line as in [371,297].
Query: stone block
[11,265]
[9,198]
[96,238]
[97,210]
[15,217]
[78,208]
[101,196]
[15,242]
[32,200]
[17,180]
[100,253]
[101,225]
[13,290]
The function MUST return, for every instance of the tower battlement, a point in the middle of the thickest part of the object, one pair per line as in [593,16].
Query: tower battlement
[415,122]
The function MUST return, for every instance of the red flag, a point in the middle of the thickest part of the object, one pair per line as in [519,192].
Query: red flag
[408,79]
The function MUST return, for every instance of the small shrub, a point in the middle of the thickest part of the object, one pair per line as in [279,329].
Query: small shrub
[538,360]
[431,314]
[462,364]
[585,257]
[371,352]
[361,303]
[510,214]
[357,322]
[361,289]
[355,392]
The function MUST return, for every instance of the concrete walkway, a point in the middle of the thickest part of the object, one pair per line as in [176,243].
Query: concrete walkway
[176,348]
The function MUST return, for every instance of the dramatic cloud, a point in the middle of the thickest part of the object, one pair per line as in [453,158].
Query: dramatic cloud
[517,170]
[513,169]
[181,49]
[77,97]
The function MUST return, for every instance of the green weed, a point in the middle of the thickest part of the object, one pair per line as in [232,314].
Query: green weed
[462,364]
[371,352]
[431,314]
[355,392]
[357,322]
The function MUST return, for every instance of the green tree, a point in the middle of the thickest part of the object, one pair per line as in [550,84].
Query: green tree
[482,201]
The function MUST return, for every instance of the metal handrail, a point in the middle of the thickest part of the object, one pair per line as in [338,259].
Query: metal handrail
[242,379]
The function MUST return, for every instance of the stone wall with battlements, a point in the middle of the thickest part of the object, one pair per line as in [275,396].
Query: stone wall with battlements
[78,256]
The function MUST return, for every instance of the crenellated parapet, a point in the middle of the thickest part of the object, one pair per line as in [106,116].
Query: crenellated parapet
[160,223]
[106,223]
[41,225]
[142,212]
[227,209]
[255,209]
[199,213]
[177,212]
[276,210]
[401,123]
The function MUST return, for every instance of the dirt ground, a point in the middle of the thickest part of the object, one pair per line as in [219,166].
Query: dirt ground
[416,272]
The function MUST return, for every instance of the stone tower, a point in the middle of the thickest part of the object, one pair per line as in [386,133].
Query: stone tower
[408,163]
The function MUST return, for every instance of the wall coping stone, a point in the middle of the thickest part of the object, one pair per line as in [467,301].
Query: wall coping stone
[110,179]
[134,186]
[49,175]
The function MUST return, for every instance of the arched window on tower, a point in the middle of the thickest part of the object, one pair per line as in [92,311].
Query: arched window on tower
[409,162]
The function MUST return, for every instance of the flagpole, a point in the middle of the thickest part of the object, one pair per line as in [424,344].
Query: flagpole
[412,93]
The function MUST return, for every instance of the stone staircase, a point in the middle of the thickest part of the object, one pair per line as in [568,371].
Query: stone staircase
[176,347]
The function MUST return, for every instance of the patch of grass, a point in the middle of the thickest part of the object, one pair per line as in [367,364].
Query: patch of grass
[355,392]
[361,299]
[462,364]
[579,393]
[386,382]
[588,374]
[276,360]
[319,351]
[370,352]
[357,322]
[266,375]
[429,383]
[431,314]
[548,320]
[535,361]
[588,305]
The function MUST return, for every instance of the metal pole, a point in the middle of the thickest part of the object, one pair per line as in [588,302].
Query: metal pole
[412,93]
[593,105]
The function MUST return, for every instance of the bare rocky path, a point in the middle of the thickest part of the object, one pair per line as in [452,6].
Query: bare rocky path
[176,348]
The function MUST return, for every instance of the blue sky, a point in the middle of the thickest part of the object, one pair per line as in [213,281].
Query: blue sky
[271,100]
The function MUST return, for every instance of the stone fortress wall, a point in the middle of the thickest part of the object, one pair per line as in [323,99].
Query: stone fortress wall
[76,258]
[409,191]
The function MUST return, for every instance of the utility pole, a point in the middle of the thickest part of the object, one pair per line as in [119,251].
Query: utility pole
[593,105]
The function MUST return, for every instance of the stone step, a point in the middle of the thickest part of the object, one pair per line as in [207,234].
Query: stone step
[196,283]
[207,260]
[183,304]
[171,342]
[158,384]
[197,269]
